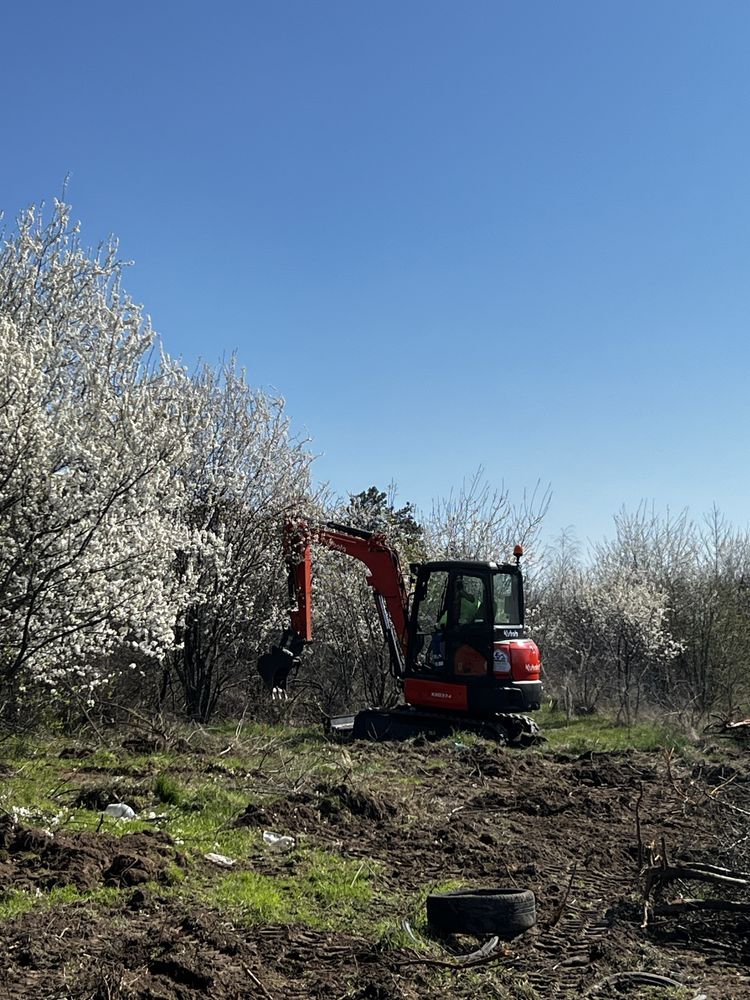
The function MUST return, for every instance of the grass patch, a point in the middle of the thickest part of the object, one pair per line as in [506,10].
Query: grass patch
[204,821]
[599,733]
[326,892]
[16,902]
[264,733]
[494,984]
[168,790]
[173,874]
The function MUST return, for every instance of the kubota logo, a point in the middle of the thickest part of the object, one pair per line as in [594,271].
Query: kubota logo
[336,546]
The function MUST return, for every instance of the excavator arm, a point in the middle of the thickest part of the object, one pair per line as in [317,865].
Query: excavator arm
[384,576]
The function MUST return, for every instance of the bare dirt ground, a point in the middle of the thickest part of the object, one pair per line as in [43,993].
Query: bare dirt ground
[577,830]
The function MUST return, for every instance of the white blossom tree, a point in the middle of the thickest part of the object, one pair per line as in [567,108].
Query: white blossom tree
[606,636]
[90,433]
[243,473]
[704,569]
[630,625]
[481,522]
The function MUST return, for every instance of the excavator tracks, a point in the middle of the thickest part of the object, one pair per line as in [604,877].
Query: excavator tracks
[380,725]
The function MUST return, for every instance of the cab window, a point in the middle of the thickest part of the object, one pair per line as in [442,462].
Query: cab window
[506,599]
[470,605]
[432,605]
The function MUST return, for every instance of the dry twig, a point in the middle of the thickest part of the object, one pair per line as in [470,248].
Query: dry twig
[560,909]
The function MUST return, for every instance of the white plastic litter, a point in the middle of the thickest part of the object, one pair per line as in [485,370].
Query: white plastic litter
[277,842]
[220,859]
[119,810]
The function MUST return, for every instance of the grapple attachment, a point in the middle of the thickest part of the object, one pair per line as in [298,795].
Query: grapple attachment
[274,669]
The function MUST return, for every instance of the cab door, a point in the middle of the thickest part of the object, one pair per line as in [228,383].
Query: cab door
[426,651]
[451,626]
[468,626]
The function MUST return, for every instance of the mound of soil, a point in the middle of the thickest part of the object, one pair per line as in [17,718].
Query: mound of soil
[33,859]
[296,814]
[330,803]
[336,801]
[97,796]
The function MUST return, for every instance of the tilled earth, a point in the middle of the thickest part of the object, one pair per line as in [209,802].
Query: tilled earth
[577,830]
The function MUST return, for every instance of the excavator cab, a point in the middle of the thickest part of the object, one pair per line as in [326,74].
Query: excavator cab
[452,620]
[467,648]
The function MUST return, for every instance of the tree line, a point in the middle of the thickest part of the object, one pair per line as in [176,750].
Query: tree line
[141,507]
[657,618]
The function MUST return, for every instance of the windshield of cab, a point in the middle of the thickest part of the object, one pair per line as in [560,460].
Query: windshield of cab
[505,593]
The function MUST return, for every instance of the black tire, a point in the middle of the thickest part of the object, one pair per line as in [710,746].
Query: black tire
[505,912]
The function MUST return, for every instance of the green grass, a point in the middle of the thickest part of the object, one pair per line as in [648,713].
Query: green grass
[326,891]
[168,789]
[489,984]
[259,732]
[209,828]
[599,733]
[16,902]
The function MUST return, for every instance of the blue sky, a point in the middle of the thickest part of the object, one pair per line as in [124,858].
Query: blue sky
[514,235]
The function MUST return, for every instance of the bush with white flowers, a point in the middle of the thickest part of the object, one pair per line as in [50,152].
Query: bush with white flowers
[90,434]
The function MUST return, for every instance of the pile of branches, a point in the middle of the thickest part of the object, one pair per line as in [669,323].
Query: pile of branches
[663,874]
[702,889]
[733,730]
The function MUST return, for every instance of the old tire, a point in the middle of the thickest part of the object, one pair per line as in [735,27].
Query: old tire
[505,912]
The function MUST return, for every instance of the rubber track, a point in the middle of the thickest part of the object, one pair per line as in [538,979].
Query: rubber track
[423,719]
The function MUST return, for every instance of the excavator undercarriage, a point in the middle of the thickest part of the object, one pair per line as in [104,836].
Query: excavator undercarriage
[405,722]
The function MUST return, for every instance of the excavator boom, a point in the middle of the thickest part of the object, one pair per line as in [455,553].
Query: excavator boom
[384,575]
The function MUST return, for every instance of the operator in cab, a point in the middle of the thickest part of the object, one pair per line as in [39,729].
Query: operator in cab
[467,607]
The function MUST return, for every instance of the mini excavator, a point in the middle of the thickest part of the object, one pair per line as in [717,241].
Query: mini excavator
[459,648]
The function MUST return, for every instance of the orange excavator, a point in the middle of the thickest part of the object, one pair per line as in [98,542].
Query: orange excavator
[458,648]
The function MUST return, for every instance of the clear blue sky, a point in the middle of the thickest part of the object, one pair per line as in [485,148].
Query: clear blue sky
[514,235]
